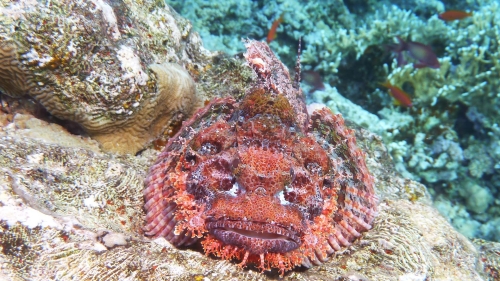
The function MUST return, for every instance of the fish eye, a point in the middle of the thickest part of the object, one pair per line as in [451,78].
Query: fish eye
[289,195]
[235,189]
[191,157]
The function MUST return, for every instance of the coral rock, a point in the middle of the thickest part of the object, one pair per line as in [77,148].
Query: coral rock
[175,98]
[88,63]
[259,180]
[12,77]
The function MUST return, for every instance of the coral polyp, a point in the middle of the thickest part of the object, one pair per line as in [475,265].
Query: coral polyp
[260,180]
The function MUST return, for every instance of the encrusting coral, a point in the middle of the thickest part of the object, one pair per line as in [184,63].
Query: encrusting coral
[96,65]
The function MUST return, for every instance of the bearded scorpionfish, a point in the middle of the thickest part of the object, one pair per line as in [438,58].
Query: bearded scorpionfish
[259,180]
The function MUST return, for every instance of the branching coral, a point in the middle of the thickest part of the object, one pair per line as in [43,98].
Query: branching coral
[456,110]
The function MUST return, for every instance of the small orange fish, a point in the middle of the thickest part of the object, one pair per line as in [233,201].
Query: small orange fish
[454,15]
[272,32]
[397,93]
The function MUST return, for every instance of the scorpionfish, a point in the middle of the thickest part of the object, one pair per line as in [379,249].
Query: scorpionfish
[259,180]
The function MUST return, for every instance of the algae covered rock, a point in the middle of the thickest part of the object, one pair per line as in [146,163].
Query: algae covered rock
[96,63]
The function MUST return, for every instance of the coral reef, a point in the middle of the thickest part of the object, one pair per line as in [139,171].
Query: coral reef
[451,142]
[69,211]
[219,21]
[96,64]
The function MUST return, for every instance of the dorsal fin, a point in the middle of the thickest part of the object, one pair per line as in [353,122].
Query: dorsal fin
[296,80]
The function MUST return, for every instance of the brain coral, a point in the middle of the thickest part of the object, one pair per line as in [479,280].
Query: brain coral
[97,64]
[259,179]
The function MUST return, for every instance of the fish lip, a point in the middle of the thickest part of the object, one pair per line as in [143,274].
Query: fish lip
[255,237]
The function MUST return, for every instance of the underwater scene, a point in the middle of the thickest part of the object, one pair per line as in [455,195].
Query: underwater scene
[423,75]
[249,140]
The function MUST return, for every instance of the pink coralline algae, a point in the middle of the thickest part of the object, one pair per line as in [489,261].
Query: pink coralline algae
[259,180]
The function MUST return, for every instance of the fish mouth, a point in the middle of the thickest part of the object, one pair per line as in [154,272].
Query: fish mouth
[255,237]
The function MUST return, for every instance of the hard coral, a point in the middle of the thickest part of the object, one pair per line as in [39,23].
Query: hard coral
[87,62]
[175,95]
[13,79]
[259,179]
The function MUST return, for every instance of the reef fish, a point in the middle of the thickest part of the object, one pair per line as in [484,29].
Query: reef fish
[398,94]
[259,180]
[423,54]
[454,15]
[271,35]
[313,79]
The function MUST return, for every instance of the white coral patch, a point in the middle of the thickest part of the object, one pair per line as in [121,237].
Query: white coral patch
[32,56]
[17,9]
[35,158]
[90,202]
[114,239]
[44,60]
[71,48]
[131,64]
[28,217]
[161,241]
[98,247]
[109,16]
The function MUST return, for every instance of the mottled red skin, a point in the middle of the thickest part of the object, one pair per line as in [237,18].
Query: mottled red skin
[259,180]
